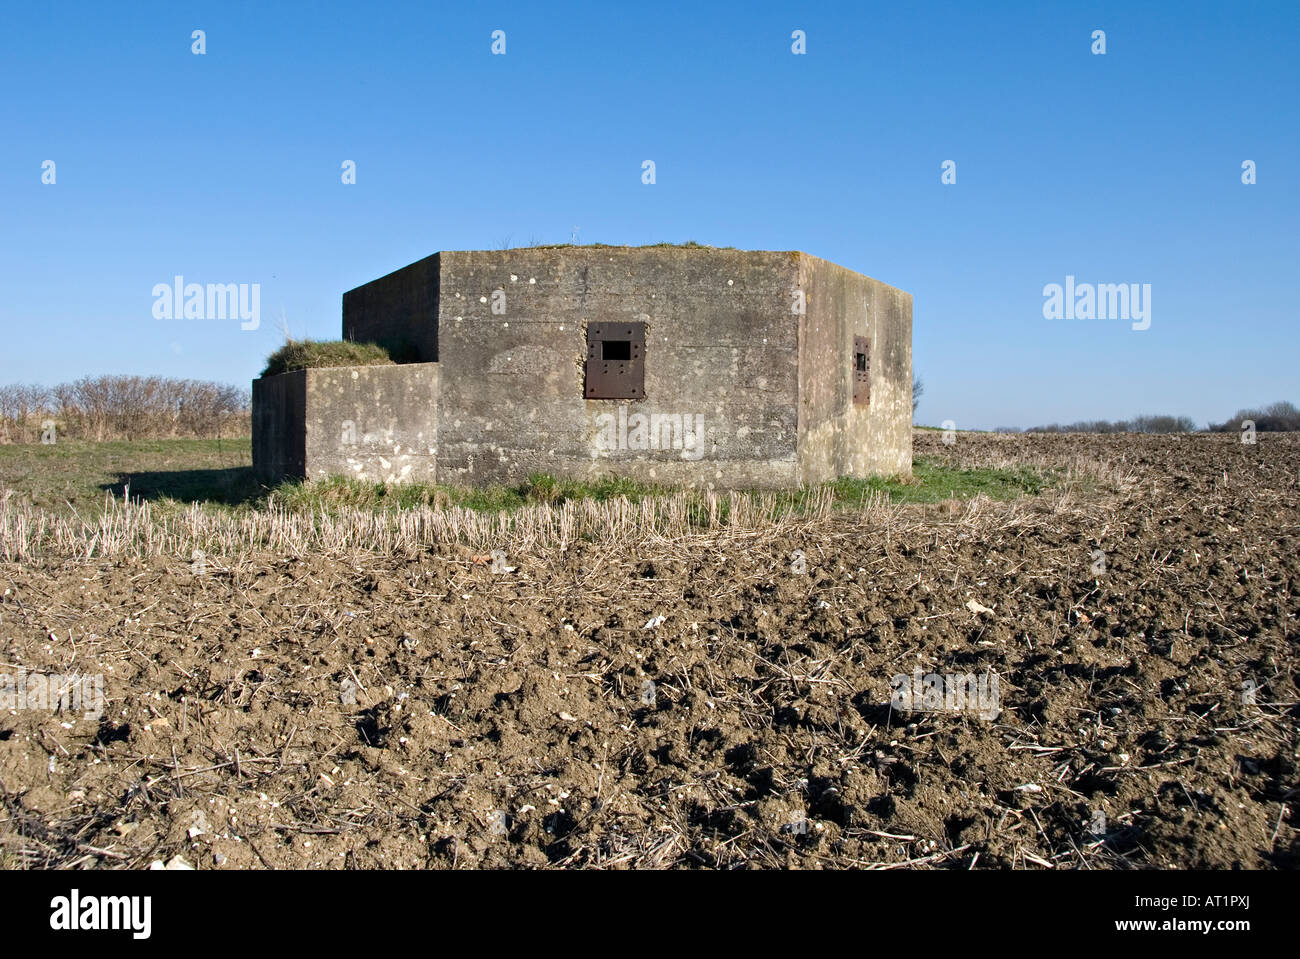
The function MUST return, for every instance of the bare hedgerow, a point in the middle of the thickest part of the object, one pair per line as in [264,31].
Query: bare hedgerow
[103,408]
[1139,424]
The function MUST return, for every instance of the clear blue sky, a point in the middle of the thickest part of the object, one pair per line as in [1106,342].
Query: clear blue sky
[225,168]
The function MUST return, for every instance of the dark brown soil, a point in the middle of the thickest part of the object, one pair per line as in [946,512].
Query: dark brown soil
[507,719]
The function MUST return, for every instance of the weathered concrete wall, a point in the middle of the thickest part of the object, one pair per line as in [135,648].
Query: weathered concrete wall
[823,375]
[836,437]
[279,427]
[398,311]
[721,360]
[880,442]
[375,423]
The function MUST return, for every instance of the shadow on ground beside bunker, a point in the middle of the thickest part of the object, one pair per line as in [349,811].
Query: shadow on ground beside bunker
[234,486]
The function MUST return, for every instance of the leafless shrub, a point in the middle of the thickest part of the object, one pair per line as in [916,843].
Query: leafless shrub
[22,407]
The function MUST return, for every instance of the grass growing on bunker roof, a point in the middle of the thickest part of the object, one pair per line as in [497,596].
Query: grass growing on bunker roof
[319,354]
[688,245]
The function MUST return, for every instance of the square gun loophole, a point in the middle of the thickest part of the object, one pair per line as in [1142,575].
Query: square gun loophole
[615,367]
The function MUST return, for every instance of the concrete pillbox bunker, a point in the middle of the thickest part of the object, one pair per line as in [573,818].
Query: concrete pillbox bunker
[677,365]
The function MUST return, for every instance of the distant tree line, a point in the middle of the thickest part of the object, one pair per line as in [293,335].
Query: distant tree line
[123,408]
[1139,424]
[1277,417]
[1274,418]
